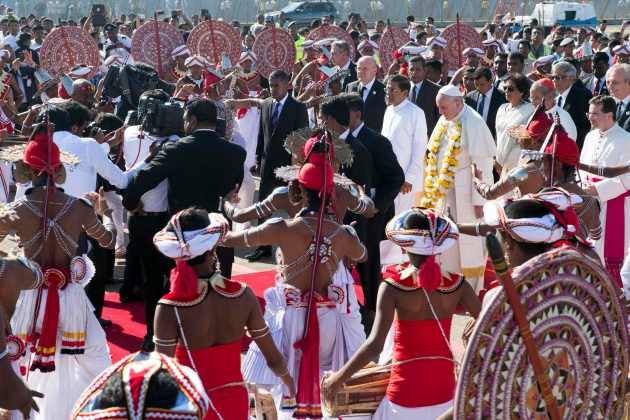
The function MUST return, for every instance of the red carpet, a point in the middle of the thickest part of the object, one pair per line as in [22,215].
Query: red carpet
[128,329]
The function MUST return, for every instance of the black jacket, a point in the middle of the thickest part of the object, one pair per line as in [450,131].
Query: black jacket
[496,100]
[387,175]
[200,169]
[374,105]
[270,152]
[603,89]
[624,119]
[577,107]
[351,78]
[426,102]
[361,170]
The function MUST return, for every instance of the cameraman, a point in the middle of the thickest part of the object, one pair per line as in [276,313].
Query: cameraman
[142,260]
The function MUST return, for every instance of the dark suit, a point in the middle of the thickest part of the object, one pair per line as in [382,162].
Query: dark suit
[624,118]
[426,101]
[387,178]
[360,171]
[576,105]
[374,105]
[270,152]
[350,78]
[200,168]
[588,84]
[496,100]
[25,77]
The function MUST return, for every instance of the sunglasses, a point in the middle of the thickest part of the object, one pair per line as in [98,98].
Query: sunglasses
[509,89]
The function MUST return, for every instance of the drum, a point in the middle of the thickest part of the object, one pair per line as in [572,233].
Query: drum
[261,404]
[361,394]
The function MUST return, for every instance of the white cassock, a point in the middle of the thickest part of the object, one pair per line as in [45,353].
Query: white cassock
[406,128]
[248,127]
[477,146]
[611,148]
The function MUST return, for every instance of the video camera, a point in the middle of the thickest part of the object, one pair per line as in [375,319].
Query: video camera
[159,115]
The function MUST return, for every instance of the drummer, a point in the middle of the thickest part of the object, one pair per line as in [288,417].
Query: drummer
[420,300]
[195,66]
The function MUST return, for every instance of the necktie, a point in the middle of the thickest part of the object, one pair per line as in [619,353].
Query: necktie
[415,93]
[482,104]
[350,137]
[559,101]
[275,114]
[597,87]
[619,111]
[363,88]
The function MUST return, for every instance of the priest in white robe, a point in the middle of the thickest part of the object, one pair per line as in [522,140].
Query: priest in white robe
[460,139]
[609,145]
[405,126]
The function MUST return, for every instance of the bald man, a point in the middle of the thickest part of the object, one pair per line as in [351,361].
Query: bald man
[83,92]
[371,91]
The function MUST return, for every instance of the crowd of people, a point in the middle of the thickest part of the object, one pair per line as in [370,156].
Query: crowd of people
[358,168]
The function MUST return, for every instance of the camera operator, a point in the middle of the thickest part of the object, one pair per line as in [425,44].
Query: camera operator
[159,121]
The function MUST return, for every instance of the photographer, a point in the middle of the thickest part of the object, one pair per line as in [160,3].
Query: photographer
[142,260]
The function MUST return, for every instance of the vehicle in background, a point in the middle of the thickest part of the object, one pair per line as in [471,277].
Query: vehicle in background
[304,12]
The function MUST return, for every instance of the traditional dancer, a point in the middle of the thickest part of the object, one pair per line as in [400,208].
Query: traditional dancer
[195,66]
[180,55]
[556,166]
[16,275]
[311,308]
[65,345]
[420,300]
[349,197]
[461,138]
[201,321]
[144,386]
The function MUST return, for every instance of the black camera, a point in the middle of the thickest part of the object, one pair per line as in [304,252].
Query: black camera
[159,116]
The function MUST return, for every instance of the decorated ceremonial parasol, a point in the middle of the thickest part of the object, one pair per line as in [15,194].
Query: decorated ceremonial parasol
[328,31]
[152,44]
[212,39]
[274,49]
[468,38]
[392,39]
[68,46]
[574,353]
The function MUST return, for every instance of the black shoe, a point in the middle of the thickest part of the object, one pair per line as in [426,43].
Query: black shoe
[147,344]
[260,253]
[104,322]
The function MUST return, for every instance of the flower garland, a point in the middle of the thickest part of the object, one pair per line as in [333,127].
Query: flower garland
[438,179]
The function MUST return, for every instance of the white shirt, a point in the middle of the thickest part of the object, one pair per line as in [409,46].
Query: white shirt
[415,90]
[367,87]
[279,104]
[563,95]
[355,132]
[123,39]
[35,45]
[10,40]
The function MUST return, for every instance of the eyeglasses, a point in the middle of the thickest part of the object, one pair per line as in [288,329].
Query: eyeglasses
[556,78]
[509,89]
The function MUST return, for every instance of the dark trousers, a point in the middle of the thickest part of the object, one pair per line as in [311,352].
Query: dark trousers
[370,270]
[145,260]
[103,260]
[266,188]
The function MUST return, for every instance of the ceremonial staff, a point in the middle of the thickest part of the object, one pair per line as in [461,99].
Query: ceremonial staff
[157,44]
[214,45]
[459,43]
[501,268]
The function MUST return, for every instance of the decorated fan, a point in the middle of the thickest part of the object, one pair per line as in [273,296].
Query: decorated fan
[274,49]
[579,341]
[469,38]
[392,39]
[66,47]
[152,44]
[328,31]
[215,40]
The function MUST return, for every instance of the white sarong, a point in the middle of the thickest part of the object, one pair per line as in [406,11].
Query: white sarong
[340,329]
[387,410]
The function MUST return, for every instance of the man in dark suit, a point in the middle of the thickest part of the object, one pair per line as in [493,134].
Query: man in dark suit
[596,83]
[487,99]
[573,97]
[371,91]
[618,81]
[185,163]
[423,92]
[280,115]
[335,115]
[387,179]
[341,58]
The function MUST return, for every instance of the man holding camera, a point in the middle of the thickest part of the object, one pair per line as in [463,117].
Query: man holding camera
[193,181]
